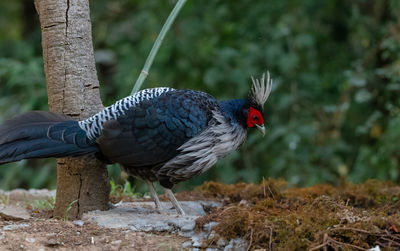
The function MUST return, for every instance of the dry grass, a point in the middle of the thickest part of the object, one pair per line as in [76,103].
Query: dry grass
[274,217]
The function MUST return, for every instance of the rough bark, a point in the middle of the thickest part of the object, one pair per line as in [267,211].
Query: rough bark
[73,89]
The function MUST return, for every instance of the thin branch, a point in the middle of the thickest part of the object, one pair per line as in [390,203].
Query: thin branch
[354,229]
[149,61]
[322,245]
[265,193]
[339,243]
[251,240]
[270,238]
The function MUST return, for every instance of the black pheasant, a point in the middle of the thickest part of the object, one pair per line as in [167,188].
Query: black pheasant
[158,134]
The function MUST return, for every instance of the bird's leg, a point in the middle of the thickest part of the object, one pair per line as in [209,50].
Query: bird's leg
[174,201]
[154,195]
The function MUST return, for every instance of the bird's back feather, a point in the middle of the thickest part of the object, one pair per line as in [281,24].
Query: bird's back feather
[150,133]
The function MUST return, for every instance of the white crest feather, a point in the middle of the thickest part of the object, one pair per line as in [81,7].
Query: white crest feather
[261,90]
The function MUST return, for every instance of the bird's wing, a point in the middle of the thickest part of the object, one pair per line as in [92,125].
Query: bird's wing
[150,133]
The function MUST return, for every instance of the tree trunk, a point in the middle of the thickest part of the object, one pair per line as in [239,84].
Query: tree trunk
[73,89]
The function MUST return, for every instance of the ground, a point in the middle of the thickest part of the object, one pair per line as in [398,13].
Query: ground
[269,215]
[28,225]
[44,234]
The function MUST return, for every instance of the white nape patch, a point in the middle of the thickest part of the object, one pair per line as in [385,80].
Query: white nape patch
[94,124]
[203,151]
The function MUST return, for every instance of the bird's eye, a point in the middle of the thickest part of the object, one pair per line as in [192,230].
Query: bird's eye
[254,117]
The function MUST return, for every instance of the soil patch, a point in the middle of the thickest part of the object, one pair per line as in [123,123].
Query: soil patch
[45,234]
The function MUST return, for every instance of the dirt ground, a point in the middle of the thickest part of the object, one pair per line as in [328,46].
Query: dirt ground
[267,216]
[35,229]
[45,234]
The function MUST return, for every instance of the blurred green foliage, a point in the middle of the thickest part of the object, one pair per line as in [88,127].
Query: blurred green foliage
[334,113]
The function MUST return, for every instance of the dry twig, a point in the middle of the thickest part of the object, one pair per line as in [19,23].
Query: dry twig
[251,240]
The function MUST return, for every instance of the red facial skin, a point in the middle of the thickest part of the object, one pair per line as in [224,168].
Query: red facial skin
[254,117]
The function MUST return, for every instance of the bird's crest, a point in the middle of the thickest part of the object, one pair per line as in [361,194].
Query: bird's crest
[261,89]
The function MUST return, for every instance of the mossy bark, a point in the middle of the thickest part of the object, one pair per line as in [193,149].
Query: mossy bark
[73,89]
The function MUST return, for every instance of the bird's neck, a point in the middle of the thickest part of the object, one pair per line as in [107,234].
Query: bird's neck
[235,110]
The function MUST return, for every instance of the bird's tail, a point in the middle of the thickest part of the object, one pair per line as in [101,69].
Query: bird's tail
[40,134]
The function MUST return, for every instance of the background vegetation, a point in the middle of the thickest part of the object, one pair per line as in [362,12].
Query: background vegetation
[333,116]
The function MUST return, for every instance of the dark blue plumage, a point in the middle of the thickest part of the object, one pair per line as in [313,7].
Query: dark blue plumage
[234,110]
[151,133]
[40,135]
[158,134]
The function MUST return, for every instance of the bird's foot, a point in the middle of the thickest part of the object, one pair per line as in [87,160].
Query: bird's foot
[159,208]
[174,201]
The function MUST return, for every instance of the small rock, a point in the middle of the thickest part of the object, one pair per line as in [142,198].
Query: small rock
[118,204]
[212,235]
[41,194]
[243,203]
[187,244]
[376,248]
[195,242]
[17,195]
[79,223]
[195,249]
[236,244]
[116,242]
[188,226]
[211,249]
[31,240]
[52,243]
[229,247]
[221,242]
[15,226]
[14,213]
[209,226]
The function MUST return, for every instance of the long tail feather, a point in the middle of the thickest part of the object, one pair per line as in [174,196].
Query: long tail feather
[41,134]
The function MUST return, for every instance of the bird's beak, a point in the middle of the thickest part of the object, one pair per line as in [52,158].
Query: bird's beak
[261,128]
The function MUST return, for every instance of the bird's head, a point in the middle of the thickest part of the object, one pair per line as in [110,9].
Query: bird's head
[258,96]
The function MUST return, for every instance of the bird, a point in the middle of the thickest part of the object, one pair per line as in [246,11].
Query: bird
[161,134]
